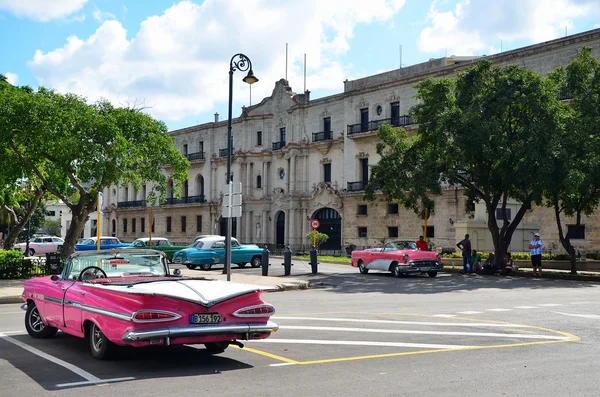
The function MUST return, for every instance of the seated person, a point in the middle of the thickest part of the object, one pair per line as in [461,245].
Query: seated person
[509,265]
[490,267]
[476,262]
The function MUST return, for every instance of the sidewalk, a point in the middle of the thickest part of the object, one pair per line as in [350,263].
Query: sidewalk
[11,290]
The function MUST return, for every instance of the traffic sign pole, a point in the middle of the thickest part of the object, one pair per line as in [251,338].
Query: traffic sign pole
[315,225]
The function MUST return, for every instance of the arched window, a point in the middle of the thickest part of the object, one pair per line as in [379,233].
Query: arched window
[259,182]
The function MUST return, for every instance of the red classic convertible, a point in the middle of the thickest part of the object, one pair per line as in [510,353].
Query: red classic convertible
[127,297]
[398,257]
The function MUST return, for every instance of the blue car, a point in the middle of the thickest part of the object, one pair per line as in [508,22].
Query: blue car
[210,250]
[106,243]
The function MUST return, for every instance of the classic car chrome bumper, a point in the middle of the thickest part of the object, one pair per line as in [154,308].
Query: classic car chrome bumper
[195,330]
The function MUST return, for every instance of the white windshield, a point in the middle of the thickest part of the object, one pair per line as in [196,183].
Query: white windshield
[118,265]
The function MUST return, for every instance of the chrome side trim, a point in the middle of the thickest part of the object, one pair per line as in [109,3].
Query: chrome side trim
[175,332]
[97,310]
[51,299]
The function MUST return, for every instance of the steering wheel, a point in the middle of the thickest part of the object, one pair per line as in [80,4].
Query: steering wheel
[92,274]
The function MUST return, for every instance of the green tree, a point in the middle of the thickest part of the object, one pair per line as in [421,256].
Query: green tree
[19,193]
[76,150]
[573,186]
[321,238]
[485,132]
[52,227]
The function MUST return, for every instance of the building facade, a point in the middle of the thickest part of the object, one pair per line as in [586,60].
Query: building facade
[300,159]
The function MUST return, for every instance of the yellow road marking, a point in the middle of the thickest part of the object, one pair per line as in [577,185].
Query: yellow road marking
[267,354]
[570,338]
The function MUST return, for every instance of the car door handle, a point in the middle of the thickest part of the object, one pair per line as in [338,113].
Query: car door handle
[63,288]
[81,293]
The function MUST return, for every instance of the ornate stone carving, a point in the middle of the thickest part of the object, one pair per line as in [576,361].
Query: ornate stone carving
[362,155]
[362,104]
[325,113]
[393,97]
[322,188]
[325,160]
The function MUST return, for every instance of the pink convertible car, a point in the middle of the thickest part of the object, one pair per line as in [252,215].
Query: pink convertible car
[127,297]
[400,258]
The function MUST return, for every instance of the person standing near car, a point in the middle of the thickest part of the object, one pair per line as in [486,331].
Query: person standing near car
[535,247]
[465,246]
[422,244]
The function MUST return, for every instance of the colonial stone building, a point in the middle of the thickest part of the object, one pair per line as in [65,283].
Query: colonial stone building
[300,158]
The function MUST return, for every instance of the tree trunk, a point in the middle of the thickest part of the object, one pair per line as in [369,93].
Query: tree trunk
[565,242]
[14,232]
[80,215]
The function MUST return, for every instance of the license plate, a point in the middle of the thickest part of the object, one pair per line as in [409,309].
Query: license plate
[205,318]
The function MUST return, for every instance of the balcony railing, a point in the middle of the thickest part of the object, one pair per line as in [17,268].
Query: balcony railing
[198,156]
[374,125]
[186,200]
[356,186]
[322,136]
[278,145]
[223,152]
[131,204]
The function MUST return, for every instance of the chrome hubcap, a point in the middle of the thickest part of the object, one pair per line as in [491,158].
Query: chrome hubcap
[96,338]
[255,262]
[35,321]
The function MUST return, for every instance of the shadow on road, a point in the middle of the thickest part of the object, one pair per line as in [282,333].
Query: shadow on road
[139,363]
[349,283]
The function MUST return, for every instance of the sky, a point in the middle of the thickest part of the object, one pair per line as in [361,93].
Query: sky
[172,57]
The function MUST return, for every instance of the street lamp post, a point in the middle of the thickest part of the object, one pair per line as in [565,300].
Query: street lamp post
[242,63]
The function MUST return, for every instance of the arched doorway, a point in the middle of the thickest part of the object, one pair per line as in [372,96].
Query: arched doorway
[223,231]
[331,225]
[280,229]
[199,185]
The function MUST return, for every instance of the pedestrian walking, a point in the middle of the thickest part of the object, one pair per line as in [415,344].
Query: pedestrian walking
[535,247]
[465,246]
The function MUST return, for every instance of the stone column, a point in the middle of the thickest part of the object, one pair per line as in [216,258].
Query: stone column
[291,235]
[304,215]
[265,227]
[264,179]
[248,226]
[292,174]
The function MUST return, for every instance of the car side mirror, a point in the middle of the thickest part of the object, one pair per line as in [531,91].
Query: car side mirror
[177,272]
[54,277]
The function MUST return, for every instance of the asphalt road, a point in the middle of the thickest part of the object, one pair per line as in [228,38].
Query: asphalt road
[353,335]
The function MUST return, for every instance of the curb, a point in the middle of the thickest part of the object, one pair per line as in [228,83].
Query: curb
[10,299]
[294,287]
[547,274]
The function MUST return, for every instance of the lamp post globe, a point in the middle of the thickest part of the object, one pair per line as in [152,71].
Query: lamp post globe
[242,63]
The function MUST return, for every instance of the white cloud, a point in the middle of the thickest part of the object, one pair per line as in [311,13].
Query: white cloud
[12,78]
[473,26]
[42,10]
[178,62]
[101,16]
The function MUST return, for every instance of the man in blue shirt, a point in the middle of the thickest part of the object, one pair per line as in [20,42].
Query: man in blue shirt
[536,246]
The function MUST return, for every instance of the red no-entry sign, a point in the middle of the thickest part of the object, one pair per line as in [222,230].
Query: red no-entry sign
[315,223]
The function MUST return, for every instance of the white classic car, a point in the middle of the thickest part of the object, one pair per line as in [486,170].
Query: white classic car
[42,245]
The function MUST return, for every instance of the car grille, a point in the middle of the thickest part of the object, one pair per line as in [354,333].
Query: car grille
[424,263]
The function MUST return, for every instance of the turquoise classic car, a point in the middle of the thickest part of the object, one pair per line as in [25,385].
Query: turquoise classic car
[208,251]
